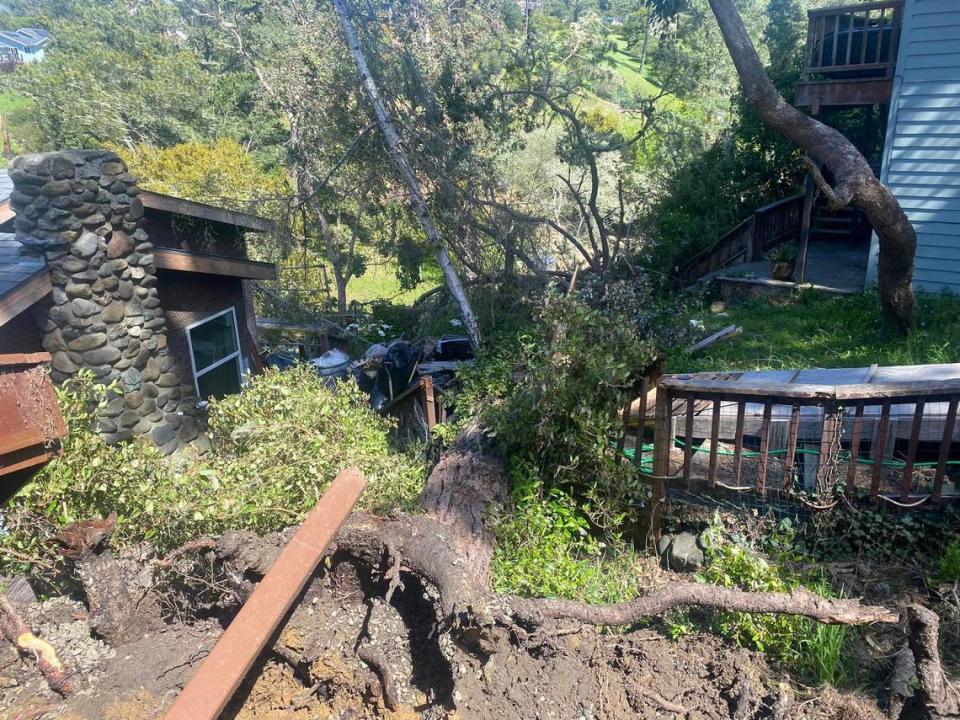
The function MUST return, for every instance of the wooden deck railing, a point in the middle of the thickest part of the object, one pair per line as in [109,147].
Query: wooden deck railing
[811,441]
[767,227]
[854,41]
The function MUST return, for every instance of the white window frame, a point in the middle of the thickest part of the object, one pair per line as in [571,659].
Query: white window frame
[232,356]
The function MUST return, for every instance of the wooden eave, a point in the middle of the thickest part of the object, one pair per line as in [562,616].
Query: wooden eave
[166,259]
[179,206]
[27,293]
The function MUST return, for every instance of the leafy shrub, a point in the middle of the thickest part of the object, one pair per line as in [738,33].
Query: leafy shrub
[813,650]
[947,567]
[878,534]
[552,400]
[544,548]
[276,447]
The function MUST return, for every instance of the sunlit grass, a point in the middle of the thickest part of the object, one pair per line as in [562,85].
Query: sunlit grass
[816,330]
[380,282]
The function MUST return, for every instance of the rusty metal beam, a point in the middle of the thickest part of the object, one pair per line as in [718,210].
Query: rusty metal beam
[217,679]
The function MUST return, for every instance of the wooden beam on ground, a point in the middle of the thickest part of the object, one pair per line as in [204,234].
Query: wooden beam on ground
[217,679]
[179,206]
[167,259]
[727,332]
[24,295]
[319,328]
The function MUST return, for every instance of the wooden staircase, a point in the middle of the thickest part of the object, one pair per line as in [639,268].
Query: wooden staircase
[845,225]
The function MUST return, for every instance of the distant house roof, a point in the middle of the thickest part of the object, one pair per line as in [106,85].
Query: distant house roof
[24,38]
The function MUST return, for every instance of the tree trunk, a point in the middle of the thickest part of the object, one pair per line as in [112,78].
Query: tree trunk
[853,178]
[341,291]
[646,39]
[399,157]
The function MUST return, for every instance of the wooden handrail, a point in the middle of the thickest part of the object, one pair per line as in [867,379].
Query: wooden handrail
[814,393]
[742,241]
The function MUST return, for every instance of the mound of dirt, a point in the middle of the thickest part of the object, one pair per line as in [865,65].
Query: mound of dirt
[314,671]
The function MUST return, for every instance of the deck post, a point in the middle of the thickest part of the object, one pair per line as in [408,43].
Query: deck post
[809,196]
[662,443]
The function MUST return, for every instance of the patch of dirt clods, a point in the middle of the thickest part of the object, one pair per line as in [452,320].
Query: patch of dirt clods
[320,668]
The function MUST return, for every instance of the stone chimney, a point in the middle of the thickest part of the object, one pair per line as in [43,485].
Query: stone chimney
[78,210]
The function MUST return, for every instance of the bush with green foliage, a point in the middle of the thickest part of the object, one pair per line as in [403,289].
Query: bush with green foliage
[813,650]
[946,570]
[552,399]
[276,447]
[544,547]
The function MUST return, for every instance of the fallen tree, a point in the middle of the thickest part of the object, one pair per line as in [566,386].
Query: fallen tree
[444,554]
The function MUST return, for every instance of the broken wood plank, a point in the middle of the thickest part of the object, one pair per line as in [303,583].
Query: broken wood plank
[728,332]
[217,679]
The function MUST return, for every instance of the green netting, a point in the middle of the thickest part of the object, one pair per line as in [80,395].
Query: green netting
[843,455]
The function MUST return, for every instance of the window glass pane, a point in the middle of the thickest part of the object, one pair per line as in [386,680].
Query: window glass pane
[222,380]
[213,340]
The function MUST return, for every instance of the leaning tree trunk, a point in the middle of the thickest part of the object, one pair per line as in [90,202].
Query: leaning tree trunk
[853,179]
[399,157]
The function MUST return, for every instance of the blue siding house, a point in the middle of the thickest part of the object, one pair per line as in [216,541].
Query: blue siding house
[886,73]
[921,159]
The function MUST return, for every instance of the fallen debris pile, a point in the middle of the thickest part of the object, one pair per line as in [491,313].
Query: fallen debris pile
[400,622]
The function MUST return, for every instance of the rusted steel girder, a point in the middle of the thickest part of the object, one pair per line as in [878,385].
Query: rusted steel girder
[217,679]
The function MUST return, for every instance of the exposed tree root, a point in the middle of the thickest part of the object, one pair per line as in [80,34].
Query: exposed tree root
[376,663]
[940,696]
[57,674]
[449,549]
[675,595]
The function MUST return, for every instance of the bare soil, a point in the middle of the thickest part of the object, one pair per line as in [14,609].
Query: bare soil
[313,670]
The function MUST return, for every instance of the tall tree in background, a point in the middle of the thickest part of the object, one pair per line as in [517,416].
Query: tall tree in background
[853,180]
[417,199]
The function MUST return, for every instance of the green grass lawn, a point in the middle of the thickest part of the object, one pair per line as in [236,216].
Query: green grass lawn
[825,331]
[11,102]
[627,66]
[23,135]
[380,282]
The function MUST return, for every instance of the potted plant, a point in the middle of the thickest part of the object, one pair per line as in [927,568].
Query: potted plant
[783,260]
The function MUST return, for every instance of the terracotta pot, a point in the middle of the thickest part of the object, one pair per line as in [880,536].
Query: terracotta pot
[783,270]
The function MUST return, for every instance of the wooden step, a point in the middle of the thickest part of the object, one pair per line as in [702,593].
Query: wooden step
[832,233]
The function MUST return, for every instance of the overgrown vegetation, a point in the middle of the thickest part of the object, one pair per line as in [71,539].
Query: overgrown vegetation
[551,402]
[275,448]
[815,651]
[546,547]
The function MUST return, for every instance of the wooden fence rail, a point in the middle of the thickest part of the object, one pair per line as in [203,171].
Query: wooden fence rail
[857,38]
[817,442]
